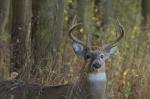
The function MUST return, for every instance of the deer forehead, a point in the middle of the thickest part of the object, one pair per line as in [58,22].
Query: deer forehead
[96,50]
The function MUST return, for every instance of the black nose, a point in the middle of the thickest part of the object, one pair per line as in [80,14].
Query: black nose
[97,65]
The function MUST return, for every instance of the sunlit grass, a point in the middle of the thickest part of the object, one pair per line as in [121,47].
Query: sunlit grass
[128,71]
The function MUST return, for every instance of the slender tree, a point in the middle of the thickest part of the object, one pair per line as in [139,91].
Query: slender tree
[4,38]
[145,12]
[47,33]
[21,26]
[103,12]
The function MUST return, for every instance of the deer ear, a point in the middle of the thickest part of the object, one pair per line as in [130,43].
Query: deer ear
[110,51]
[78,48]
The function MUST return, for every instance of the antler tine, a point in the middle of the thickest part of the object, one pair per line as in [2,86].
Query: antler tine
[74,26]
[72,36]
[121,32]
[74,20]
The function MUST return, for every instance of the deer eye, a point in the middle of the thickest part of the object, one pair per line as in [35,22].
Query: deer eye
[88,56]
[102,56]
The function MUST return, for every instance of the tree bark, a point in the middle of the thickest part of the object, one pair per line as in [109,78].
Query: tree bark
[145,13]
[4,14]
[21,26]
[88,21]
[4,39]
[47,33]
[103,12]
[80,10]
[80,13]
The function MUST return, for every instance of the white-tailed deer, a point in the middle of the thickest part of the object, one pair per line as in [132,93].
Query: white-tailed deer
[90,85]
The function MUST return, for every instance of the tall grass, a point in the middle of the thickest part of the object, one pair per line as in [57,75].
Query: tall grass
[129,70]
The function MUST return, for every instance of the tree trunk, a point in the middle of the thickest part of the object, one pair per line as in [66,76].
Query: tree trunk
[47,33]
[80,13]
[103,12]
[145,13]
[21,26]
[4,39]
[81,10]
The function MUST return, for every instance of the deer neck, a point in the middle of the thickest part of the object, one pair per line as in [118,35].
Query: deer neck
[90,85]
[96,83]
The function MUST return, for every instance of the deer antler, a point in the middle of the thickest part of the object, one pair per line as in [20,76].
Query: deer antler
[72,29]
[121,32]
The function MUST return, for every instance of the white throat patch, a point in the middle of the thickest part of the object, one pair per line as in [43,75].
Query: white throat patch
[97,77]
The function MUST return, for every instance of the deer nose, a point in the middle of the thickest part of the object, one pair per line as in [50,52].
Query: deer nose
[97,65]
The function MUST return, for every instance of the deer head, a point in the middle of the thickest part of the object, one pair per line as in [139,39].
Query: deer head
[95,56]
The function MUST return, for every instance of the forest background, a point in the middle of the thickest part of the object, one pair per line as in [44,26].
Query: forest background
[35,47]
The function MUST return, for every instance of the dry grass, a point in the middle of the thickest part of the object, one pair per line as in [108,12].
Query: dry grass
[128,71]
